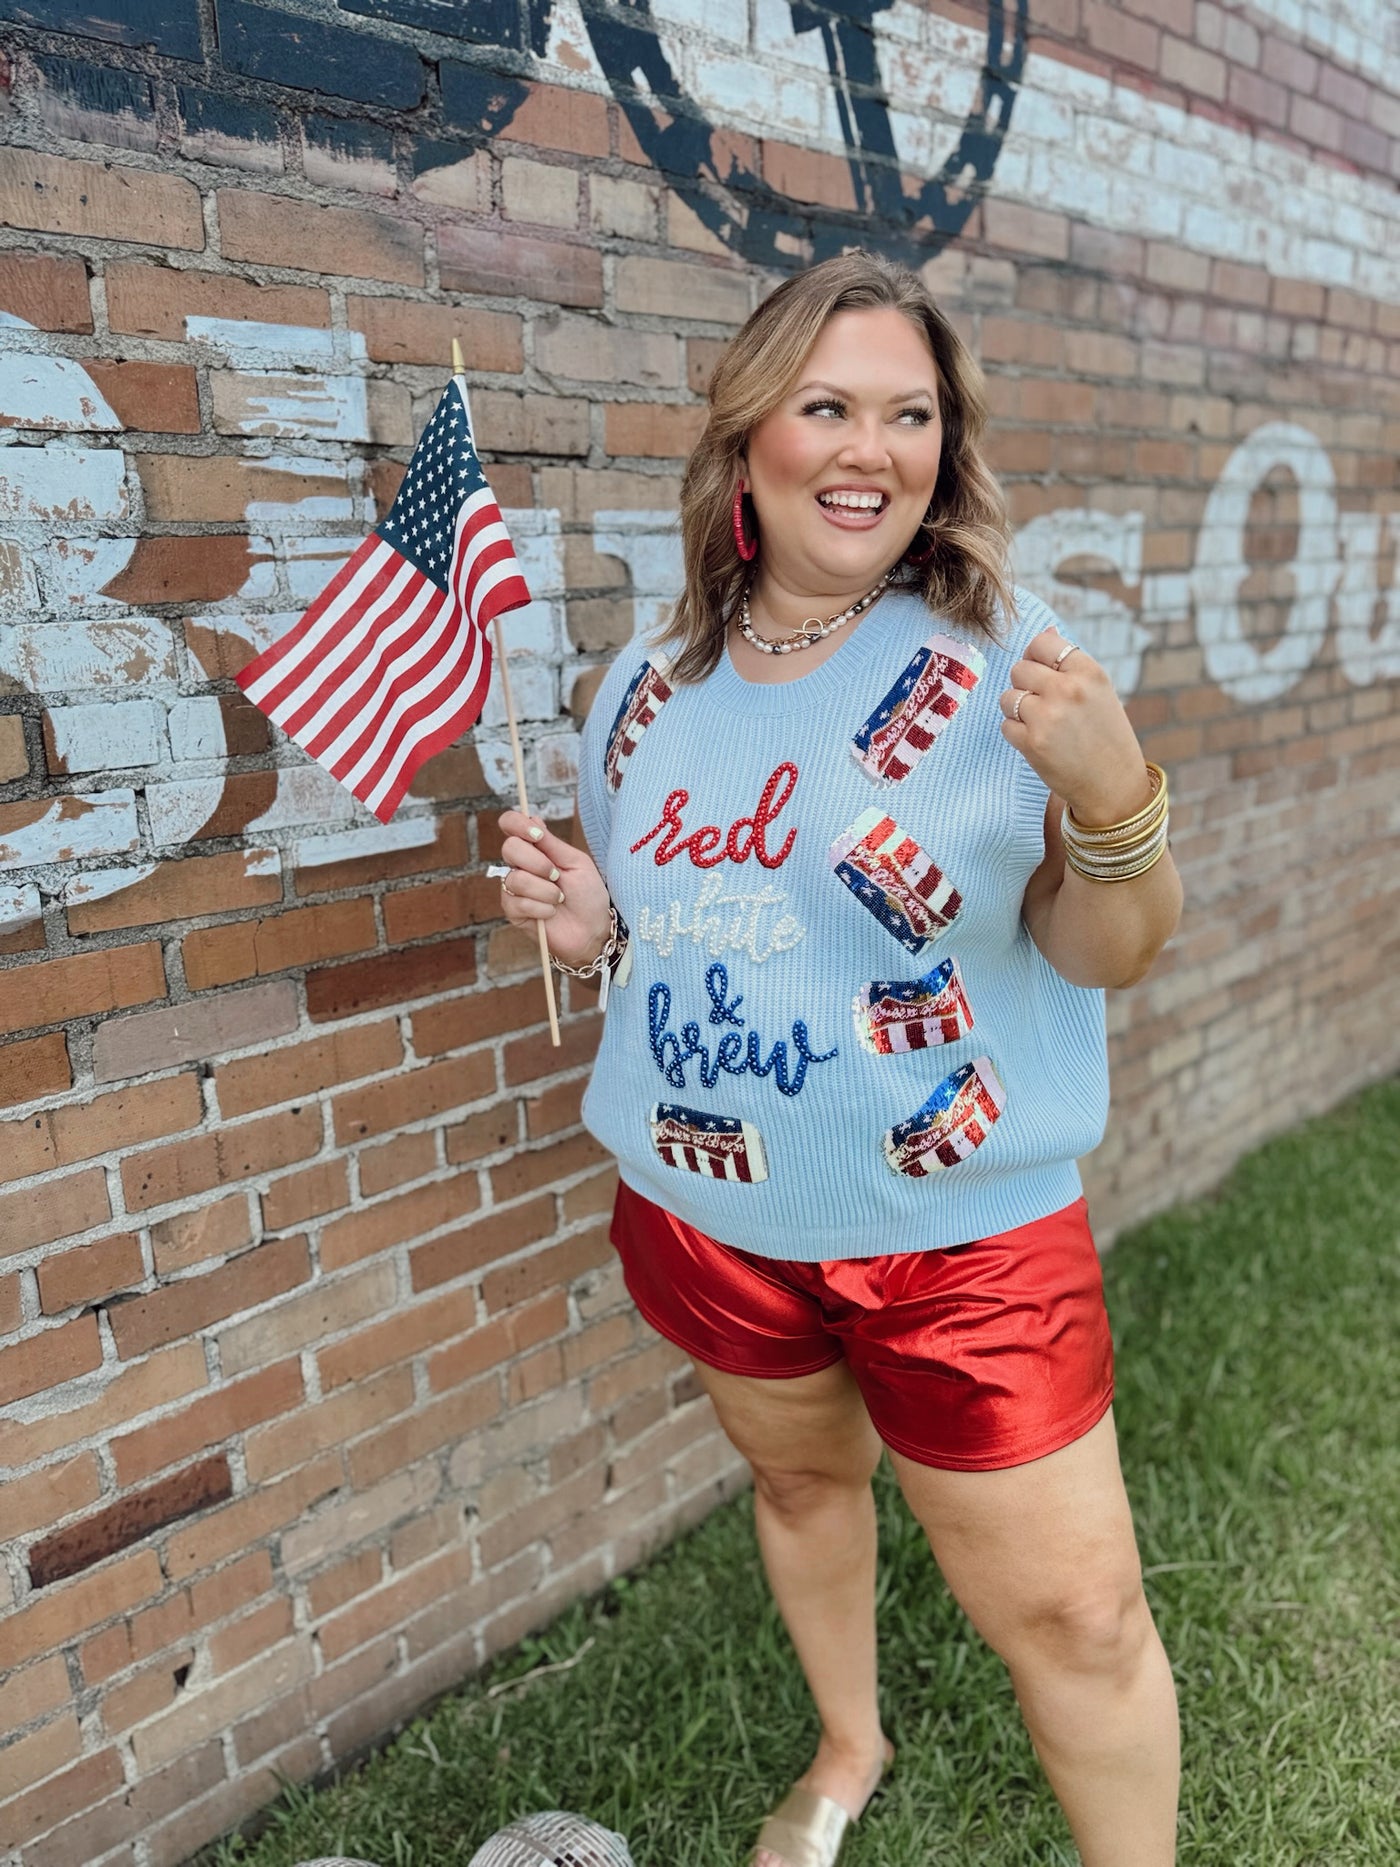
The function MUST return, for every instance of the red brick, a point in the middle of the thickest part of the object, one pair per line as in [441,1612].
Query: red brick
[409,330]
[248,1519]
[556,117]
[503,1289]
[319,1189]
[531,1168]
[34,1067]
[389,979]
[654,430]
[1110,30]
[302,1069]
[157,1040]
[48,1358]
[218,488]
[439,907]
[142,1323]
[146,1694]
[14,754]
[181,890]
[30,1694]
[325,1308]
[55,1620]
[1026,231]
[591,1196]
[472,1017]
[233,1646]
[62,1797]
[69,1279]
[486,1132]
[672,288]
[447,850]
[423,1431]
[473,1246]
[11,1304]
[511,265]
[64,1136]
[197,1165]
[157,398]
[154,300]
[413,1095]
[57,990]
[163,1378]
[212,1231]
[54,194]
[495,1344]
[531,1057]
[399,1336]
[392,1163]
[133,1517]
[346,242]
[184,570]
[208,1421]
[46,1497]
[808,175]
[332,1588]
[396,1221]
[335,1422]
[46,290]
[299,936]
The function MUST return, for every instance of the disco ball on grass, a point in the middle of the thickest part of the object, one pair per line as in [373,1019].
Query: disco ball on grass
[553,1839]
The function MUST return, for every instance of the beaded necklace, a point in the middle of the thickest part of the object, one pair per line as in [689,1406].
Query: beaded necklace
[811,631]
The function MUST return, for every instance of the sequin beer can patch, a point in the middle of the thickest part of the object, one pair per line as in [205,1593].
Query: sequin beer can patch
[719,1146]
[647,692]
[902,885]
[917,708]
[952,1124]
[894,1015]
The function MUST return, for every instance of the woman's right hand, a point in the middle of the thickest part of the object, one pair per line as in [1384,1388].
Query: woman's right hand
[553,882]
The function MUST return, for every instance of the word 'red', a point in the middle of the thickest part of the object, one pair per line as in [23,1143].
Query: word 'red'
[707,846]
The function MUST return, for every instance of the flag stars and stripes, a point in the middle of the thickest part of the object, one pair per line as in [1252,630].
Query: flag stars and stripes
[392,661]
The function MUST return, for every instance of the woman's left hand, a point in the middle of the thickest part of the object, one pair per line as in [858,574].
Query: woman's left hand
[1074,732]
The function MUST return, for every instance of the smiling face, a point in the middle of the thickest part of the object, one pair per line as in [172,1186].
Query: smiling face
[843,469]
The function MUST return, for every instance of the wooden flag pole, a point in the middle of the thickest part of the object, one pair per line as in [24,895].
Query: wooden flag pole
[459,370]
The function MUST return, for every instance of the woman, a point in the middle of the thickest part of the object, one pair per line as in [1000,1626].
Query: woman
[868,841]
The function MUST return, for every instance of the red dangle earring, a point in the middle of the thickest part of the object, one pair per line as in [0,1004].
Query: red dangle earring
[920,559]
[747,549]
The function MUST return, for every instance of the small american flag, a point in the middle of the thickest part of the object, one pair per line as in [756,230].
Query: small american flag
[392,661]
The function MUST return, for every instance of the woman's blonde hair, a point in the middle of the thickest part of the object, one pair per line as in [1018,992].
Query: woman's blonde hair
[965,529]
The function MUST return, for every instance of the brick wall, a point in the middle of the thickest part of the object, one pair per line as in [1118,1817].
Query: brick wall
[317,1385]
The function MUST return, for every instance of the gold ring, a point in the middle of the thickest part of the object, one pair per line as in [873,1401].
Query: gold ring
[1021,693]
[1071,648]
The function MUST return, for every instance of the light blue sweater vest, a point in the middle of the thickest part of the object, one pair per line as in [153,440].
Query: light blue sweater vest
[835,1038]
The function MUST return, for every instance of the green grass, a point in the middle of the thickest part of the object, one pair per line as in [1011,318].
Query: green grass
[1257,1418]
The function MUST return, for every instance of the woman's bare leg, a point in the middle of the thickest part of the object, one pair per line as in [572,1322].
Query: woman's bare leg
[813,1452]
[1043,1561]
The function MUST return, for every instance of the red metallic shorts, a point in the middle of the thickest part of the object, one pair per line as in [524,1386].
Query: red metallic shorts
[972,1359]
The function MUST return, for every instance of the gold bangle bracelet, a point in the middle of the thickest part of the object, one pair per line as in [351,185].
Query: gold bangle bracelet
[1128,826]
[1126,874]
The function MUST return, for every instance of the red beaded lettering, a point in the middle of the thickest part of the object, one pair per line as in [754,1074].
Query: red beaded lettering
[747,836]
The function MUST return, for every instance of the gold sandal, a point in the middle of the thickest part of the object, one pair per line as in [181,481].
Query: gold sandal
[806,1830]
